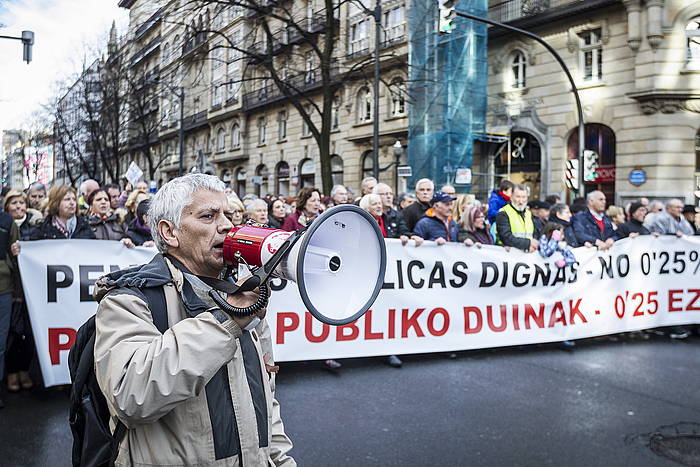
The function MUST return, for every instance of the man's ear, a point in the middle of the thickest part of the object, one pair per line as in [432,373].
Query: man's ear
[167,229]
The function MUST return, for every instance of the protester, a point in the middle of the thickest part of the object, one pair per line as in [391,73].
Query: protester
[672,222]
[113,191]
[690,213]
[176,391]
[616,215]
[461,204]
[591,226]
[139,230]
[308,208]
[424,194]
[449,190]
[404,200]
[36,194]
[655,208]
[132,203]
[437,223]
[61,221]
[635,226]
[367,185]
[87,187]
[339,195]
[105,223]
[540,214]
[257,211]
[514,225]
[473,228]
[553,245]
[235,210]
[247,199]
[277,213]
[553,199]
[561,214]
[499,198]
[20,343]
[390,219]
[9,234]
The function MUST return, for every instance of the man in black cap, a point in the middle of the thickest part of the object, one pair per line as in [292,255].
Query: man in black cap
[635,226]
[540,214]
[437,223]
[689,212]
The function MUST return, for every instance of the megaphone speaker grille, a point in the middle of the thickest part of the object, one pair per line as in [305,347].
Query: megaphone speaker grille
[342,266]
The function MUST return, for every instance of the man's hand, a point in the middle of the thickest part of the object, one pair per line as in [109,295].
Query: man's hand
[440,241]
[588,244]
[127,242]
[679,234]
[242,300]
[469,242]
[534,244]
[656,234]
[417,239]
[633,235]
[404,240]
[15,248]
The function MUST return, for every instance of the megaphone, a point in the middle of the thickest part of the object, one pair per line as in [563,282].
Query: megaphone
[338,263]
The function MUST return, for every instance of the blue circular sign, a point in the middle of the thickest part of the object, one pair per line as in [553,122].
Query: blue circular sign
[637,177]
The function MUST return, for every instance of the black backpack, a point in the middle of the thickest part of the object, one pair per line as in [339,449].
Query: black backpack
[94,445]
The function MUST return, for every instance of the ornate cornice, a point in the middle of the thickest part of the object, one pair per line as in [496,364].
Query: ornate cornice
[666,101]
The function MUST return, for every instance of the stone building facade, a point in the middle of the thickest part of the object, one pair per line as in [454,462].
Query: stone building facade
[637,67]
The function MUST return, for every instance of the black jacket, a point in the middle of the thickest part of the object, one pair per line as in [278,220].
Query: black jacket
[109,229]
[586,228]
[395,224]
[505,234]
[46,230]
[631,226]
[413,214]
[568,230]
[137,234]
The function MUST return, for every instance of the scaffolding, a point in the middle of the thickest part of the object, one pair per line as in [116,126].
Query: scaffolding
[447,86]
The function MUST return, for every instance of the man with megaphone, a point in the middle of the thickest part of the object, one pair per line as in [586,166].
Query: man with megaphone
[199,392]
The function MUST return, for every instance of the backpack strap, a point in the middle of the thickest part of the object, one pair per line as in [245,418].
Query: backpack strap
[155,299]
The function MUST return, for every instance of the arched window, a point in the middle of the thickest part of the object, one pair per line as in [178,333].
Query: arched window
[226,176]
[518,68]
[220,140]
[692,32]
[282,179]
[367,164]
[236,136]
[240,181]
[337,169]
[364,106]
[307,173]
[261,182]
[397,93]
[166,53]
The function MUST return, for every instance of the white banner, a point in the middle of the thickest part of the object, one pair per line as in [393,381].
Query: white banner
[434,299]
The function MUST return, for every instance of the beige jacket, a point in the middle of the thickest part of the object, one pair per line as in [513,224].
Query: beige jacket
[197,394]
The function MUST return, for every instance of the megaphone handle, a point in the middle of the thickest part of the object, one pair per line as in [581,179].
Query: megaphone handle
[241,312]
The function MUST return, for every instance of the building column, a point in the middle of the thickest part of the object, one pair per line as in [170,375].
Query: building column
[634,33]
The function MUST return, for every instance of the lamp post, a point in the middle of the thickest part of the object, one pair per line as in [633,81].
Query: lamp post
[398,152]
[181,132]
[27,39]
[574,89]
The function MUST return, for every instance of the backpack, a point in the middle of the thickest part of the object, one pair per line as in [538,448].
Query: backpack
[94,445]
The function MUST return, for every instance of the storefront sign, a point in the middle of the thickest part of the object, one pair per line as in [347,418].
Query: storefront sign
[606,174]
[637,176]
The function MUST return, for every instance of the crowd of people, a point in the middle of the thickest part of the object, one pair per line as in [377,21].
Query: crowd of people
[508,218]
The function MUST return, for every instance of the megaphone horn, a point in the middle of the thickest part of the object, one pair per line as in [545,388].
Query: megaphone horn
[338,262]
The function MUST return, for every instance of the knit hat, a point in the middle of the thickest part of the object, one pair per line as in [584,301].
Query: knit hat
[634,206]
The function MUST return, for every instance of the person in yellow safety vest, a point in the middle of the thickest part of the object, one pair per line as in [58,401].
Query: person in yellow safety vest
[514,225]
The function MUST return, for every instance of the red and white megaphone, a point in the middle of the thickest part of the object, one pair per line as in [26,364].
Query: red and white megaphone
[338,262]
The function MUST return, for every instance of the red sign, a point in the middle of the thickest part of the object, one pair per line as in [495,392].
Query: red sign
[606,174]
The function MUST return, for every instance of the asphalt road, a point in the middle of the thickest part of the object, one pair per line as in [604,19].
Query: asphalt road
[603,404]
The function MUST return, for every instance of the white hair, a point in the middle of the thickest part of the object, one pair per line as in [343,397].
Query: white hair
[592,194]
[366,200]
[367,180]
[84,185]
[425,180]
[172,198]
[334,190]
[253,205]
[376,188]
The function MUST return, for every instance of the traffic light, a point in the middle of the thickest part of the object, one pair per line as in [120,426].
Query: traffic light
[571,174]
[446,16]
[590,165]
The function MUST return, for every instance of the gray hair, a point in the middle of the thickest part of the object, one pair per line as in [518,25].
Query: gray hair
[376,188]
[520,187]
[366,200]
[250,209]
[673,201]
[334,190]
[172,198]
[84,185]
[425,180]
[559,208]
[367,180]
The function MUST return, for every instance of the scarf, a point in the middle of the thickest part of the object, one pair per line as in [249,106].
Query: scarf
[139,225]
[380,219]
[66,229]
[19,222]
[504,196]
[304,219]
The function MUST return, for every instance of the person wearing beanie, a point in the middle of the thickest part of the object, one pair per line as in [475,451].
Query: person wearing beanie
[690,213]
[635,226]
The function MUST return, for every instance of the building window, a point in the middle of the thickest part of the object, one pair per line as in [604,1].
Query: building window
[282,125]
[236,136]
[591,55]
[697,152]
[215,94]
[397,93]
[692,32]
[309,71]
[307,173]
[337,169]
[166,53]
[359,37]
[282,179]
[364,106]
[262,130]
[394,24]
[305,127]
[221,140]
[240,181]
[217,56]
[367,164]
[195,105]
[518,69]
[335,113]
[261,182]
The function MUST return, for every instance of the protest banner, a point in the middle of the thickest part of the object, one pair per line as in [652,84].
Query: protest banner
[434,298]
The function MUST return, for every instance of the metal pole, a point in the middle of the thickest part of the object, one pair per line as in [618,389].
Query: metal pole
[181,96]
[510,134]
[375,123]
[574,89]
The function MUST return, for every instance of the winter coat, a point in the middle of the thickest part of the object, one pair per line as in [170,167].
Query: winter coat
[631,226]
[504,231]
[9,234]
[496,203]
[586,228]
[414,213]
[46,230]
[138,234]
[432,228]
[274,223]
[665,224]
[108,229]
[30,222]
[568,230]
[482,236]
[395,224]
[198,394]
[291,222]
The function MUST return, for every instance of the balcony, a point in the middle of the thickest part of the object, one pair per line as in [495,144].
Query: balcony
[146,51]
[148,79]
[535,12]
[297,84]
[194,44]
[148,24]
[194,121]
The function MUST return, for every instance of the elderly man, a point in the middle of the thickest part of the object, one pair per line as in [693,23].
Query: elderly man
[672,221]
[394,222]
[591,226]
[367,185]
[87,187]
[424,194]
[449,190]
[339,195]
[514,225]
[437,223]
[198,393]
[635,226]
[36,194]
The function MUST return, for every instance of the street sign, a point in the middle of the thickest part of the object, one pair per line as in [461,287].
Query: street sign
[637,176]
[463,176]
[404,171]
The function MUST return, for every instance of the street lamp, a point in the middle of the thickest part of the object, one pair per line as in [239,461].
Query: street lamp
[27,39]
